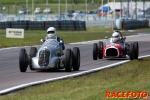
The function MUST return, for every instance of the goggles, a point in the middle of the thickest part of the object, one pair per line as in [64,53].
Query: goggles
[50,32]
[115,36]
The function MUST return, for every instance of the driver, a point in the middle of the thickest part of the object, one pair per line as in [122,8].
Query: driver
[116,38]
[51,34]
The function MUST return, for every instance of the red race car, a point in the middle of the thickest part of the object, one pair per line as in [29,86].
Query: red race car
[115,50]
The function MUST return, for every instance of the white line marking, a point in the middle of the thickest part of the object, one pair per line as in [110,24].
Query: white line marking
[5,91]
[17,47]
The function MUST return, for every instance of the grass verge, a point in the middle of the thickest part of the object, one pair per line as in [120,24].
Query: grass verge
[32,37]
[132,76]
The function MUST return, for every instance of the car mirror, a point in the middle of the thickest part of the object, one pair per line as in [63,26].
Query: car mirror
[42,40]
[124,37]
[106,37]
[60,42]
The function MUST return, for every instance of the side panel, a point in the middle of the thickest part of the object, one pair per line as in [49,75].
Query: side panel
[118,46]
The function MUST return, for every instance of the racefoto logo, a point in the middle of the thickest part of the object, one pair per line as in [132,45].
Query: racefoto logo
[128,94]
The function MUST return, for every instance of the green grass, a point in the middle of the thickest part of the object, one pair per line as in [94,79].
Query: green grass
[56,1]
[53,4]
[32,37]
[132,76]
[51,1]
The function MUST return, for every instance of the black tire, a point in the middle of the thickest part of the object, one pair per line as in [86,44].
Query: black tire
[32,54]
[131,52]
[136,50]
[23,63]
[95,49]
[76,58]
[100,53]
[68,60]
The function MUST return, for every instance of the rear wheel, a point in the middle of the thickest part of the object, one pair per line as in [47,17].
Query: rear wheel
[23,60]
[136,50]
[95,49]
[68,60]
[76,59]
[131,52]
[100,54]
[32,54]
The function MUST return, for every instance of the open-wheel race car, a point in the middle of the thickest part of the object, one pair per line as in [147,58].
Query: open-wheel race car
[50,56]
[115,50]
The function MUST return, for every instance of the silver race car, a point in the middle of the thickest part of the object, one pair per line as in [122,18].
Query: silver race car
[50,56]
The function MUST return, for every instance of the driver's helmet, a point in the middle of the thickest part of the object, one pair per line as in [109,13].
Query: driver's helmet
[51,32]
[115,37]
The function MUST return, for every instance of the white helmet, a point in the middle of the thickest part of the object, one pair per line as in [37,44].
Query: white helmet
[51,32]
[115,37]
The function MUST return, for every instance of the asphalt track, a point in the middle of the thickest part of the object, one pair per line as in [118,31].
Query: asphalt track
[10,75]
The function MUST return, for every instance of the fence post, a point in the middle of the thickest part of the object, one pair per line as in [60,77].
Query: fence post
[84,25]
[60,25]
[43,22]
[75,28]
[10,24]
[27,25]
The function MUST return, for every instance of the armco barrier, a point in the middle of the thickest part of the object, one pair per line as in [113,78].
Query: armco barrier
[42,25]
[80,25]
[4,25]
[35,25]
[146,23]
[19,25]
[131,23]
[51,23]
[63,25]
[71,25]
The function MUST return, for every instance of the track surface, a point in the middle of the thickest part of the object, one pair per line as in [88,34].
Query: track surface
[11,76]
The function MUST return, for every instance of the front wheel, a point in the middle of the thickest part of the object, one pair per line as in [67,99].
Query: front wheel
[68,60]
[101,46]
[23,60]
[95,49]
[76,58]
